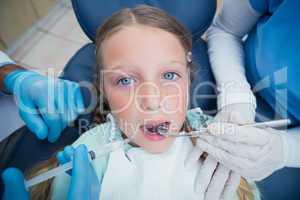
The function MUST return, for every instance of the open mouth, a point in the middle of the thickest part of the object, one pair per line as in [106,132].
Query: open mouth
[156,129]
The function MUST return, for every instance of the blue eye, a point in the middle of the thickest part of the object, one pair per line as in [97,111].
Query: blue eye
[170,75]
[125,81]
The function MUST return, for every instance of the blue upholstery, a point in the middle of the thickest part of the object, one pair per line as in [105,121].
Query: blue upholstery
[196,15]
[203,93]
[285,183]
[80,68]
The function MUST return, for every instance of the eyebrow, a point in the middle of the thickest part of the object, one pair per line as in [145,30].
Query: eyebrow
[176,61]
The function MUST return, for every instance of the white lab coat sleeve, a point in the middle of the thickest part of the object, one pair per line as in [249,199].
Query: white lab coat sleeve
[4,59]
[226,52]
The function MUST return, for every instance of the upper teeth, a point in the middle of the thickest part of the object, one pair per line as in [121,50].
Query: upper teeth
[161,129]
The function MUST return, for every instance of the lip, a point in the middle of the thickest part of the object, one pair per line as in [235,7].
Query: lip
[149,135]
[156,122]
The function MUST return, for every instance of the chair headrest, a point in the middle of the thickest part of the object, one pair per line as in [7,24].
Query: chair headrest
[196,15]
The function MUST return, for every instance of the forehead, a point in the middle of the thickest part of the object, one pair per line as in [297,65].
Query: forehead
[141,45]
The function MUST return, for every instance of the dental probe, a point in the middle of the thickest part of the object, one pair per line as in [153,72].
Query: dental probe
[270,124]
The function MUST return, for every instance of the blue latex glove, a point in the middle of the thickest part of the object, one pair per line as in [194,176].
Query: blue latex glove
[47,105]
[14,185]
[80,188]
[84,181]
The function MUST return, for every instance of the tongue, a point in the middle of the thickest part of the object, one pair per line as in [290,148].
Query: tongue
[152,130]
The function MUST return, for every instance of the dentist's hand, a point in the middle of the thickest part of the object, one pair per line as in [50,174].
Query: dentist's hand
[253,153]
[240,113]
[84,182]
[214,181]
[47,105]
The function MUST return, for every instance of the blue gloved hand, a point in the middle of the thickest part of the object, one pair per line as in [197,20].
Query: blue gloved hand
[47,105]
[14,185]
[84,181]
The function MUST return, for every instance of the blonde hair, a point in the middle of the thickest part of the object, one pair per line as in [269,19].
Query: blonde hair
[148,16]
[43,190]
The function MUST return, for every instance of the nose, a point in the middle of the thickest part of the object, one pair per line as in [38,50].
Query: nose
[149,97]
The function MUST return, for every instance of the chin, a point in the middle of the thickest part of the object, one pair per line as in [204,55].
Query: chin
[158,147]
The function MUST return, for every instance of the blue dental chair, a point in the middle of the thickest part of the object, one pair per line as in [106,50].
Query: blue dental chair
[196,15]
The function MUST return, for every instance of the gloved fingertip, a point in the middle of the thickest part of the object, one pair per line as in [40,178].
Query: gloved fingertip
[68,147]
[12,175]
[61,158]
[37,127]
[14,185]
[41,132]
[54,135]
[35,124]
[69,151]
[82,148]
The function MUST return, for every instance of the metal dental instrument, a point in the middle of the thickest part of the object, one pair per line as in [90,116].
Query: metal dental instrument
[270,124]
[67,166]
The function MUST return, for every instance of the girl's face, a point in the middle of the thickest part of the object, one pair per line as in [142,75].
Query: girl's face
[145,81]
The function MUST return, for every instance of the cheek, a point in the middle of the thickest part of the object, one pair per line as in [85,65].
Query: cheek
[119,103]
[122,104]
[120,100]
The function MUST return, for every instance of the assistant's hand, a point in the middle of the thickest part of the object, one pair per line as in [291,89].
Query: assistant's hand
[84,181]
[14,187]
[254,153]
[214,181]
[240,113]
[87,187]
[47,105]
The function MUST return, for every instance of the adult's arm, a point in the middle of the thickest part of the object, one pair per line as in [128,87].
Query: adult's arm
[47,105]
[226,53]
[7,65]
